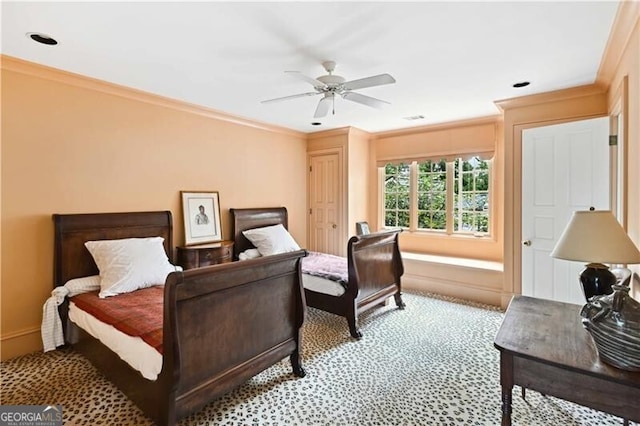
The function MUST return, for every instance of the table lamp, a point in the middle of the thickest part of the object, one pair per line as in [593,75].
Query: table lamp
[596,237]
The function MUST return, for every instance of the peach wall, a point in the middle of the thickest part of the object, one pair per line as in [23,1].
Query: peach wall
[358,153]
[69,148]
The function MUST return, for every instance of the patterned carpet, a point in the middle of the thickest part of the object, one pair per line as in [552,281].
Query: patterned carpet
[431,364]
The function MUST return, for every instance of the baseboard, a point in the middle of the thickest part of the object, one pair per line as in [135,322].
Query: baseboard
[20,343]
[459,290]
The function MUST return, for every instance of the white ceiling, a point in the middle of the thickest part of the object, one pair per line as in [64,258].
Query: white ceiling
[451,60]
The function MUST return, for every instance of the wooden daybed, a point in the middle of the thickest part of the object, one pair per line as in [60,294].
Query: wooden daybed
[374,266]
[222,324]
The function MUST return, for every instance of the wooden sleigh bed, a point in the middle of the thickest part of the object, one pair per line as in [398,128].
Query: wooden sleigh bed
[374,266]
[221,324]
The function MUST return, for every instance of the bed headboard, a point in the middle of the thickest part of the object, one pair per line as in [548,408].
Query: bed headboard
[71,259]
[243,219]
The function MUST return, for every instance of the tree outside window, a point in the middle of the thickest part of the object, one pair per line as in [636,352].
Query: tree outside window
[396,195]
[432,195]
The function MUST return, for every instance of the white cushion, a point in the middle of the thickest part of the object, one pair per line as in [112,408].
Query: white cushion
[271,240]
[130,264]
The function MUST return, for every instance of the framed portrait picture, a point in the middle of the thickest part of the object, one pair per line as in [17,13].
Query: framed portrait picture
[201,212]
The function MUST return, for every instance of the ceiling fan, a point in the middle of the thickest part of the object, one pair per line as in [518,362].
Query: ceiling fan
[331,85]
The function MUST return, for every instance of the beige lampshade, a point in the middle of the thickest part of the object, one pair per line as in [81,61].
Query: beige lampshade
[595,237]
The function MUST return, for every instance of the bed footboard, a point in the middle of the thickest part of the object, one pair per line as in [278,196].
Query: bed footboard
[226,323]
[375,271]
[375,264]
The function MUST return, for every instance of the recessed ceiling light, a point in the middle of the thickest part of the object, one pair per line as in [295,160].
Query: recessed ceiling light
[521,84]
[316,123]
[42,38]
[414,117]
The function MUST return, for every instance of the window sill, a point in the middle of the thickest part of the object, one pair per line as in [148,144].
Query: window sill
[455,261]
[443,234]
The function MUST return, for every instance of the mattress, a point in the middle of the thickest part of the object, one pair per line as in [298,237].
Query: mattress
[141,356]
[322,285]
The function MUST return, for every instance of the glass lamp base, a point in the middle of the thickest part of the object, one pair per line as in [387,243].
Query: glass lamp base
[596,280]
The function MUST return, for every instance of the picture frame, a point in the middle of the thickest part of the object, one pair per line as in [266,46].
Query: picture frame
[362,228]
[201,214]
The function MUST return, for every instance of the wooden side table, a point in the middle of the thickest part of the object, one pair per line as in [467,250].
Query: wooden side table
[544,347]
[190,257]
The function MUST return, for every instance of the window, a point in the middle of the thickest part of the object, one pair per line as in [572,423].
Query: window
[438,195]
[397,195]
[471,202]
[432,195]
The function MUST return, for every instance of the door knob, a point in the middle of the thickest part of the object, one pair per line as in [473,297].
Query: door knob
[334,226]
[526,243]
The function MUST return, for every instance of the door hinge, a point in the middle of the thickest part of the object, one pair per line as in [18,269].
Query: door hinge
[310,169]
[613,140]
[309,211]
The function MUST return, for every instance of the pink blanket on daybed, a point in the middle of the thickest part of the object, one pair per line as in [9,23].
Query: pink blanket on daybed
[328,266]
[137,314]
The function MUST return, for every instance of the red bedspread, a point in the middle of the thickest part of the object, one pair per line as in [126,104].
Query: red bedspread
[137,314]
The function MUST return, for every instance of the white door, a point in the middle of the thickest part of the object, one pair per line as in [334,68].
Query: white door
[325,207]
[565,167]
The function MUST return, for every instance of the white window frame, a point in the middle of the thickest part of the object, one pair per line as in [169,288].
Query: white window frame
[450,199]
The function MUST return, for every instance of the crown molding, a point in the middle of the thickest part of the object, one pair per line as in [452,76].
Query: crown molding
[625,23]
[554,96]
[354,131]
[329,133]
[33,69]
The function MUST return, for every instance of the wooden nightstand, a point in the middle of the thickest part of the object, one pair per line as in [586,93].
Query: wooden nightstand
[190,257]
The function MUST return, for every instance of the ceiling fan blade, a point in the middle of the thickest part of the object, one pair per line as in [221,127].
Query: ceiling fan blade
[323,106]
[313,81]
[376,80]
[284,98]
[365,100]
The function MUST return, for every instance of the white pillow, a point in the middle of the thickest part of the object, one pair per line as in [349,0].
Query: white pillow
[271,240]
[129,264]
[249,254]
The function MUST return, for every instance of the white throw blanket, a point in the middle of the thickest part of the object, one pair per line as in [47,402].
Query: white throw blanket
[249,254]
[51,329]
